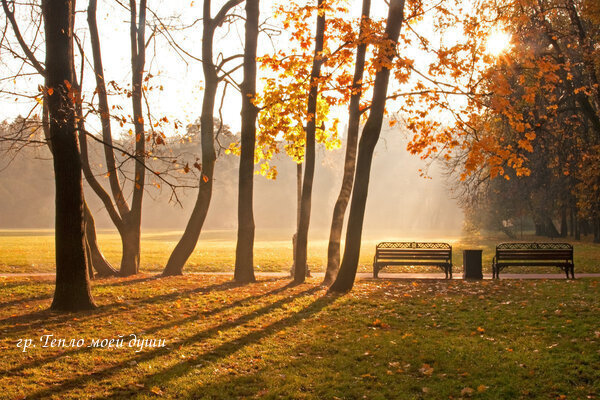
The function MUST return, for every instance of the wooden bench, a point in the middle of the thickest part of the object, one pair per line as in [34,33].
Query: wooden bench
[413,253]
[533,255]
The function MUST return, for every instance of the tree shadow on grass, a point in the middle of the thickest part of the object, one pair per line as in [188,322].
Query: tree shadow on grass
[24,282]
[171,324]
[226,348]
[46,319]
[25,300]
[106,282]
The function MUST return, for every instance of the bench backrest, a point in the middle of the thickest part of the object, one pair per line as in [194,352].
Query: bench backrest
[413,250]
[534,251]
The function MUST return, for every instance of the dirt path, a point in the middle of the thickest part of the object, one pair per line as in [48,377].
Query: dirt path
[360,275]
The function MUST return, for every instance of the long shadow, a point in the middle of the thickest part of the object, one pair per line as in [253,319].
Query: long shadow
[25,300]
[39,362]
[43,318]
[228,348]
[17,283]
[97,282]
[141,357]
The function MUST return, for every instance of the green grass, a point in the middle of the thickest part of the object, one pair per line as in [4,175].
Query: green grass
[33,251]
[386,339]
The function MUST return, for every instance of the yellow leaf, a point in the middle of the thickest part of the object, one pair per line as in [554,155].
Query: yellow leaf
[156,390]
[426,370]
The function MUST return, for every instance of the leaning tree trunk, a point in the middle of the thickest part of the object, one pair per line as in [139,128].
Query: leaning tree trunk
[189,239]
[368,140]
[72,291]
[339,210]
[99,262]
[186,245]
[309,154]
[551,230]
[126,220]
[244,252]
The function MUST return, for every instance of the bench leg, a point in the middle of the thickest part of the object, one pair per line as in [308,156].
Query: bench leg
[450,270]
[572,272]
[375,271]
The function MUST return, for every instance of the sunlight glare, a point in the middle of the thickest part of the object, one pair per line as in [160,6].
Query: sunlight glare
[498,42]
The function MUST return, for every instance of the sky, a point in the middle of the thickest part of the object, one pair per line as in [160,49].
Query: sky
[180,76]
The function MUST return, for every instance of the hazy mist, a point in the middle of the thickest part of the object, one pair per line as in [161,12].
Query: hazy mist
[401,203]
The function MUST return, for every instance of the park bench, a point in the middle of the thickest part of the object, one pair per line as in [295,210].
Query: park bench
[533,255]
[413,253]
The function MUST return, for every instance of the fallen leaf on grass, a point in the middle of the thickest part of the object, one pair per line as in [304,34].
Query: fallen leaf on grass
[466,391]
[156,390]
[426,370]
[379,324]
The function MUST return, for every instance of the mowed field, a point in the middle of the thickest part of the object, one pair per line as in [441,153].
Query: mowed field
[30,251]
[208,338]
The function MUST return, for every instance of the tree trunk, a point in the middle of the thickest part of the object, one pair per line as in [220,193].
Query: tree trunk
[98,261]
[368,140]
[298,205]
[572,222]
[88,256]
[563,222]
[244,252]
[551,230]
[130,240]
[339,210]
[189,239]
[72,292]
[132,221]
[309,154]
[585,227]
[104,112]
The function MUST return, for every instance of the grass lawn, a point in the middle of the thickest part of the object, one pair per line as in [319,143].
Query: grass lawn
[386,339]
[33,251]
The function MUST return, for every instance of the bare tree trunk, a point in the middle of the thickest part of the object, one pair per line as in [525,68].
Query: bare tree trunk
[99,262]
[339,210]
[370,135]
[563,221]
[244,252]
[309,154]
[189,239]
[88,255]
[120,212]
[298,205]
[571,221]
[551,230]
[72,292]
[130,261]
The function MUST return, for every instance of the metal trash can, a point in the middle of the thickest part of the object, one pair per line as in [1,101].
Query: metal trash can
[472,264]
